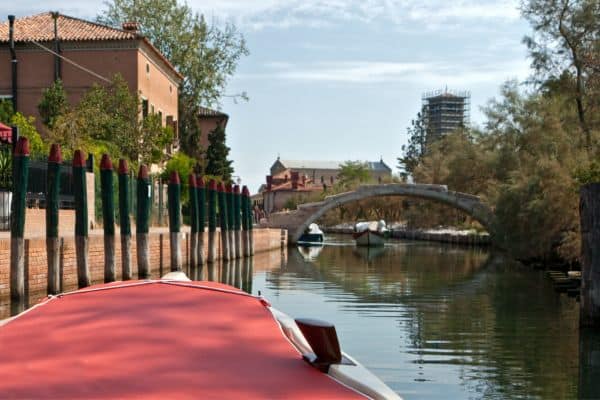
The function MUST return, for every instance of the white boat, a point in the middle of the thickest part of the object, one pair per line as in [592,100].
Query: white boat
[370,233]
[312,236]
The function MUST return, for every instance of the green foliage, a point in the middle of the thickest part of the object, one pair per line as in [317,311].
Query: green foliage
[107,119]
[5,169]
[206,55]
[353,173]
[217,162]
[38,149]
[588,174]
[184,165]
[54,103]
[565,34]
[6,111]
[415,149]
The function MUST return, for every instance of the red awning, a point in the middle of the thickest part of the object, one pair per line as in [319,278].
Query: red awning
[156,340]
[5,133]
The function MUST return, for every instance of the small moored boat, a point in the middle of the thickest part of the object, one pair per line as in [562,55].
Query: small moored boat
[370,233]
[174,339]
[313,235]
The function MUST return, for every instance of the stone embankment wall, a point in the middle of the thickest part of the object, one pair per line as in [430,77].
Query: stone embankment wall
[444,237]
[36,265]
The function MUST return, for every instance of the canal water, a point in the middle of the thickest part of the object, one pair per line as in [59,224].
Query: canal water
[434,321]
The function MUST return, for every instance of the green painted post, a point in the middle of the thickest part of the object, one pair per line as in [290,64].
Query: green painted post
[20,166]
[237,220]
[81,220]
[230,222]
[250,225]
[245,221]
[201,197]
[193,223]
[124,219]
[212,221]
[108,217]
[142,221]
[223,221]
[52,206]
[174,195]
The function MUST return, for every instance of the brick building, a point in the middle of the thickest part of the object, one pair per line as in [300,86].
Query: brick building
[292,179]
[208,120]
[103,50]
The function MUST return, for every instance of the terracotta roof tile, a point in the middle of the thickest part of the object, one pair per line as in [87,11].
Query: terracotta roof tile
[207,112]
[40,27]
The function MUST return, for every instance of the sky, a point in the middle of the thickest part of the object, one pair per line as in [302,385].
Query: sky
[342,79]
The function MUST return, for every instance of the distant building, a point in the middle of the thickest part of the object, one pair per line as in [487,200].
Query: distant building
[293,179]
[208,120]
[445,111]
[103,50]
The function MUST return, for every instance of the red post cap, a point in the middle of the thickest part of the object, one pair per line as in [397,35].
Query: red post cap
[200,181]
[228,188]
[245,191]
[174,178]
[78,159]
[22,148]
[220,187]
[192,180]
[143,172]
[105,162]
[123,168]
[212,185]
[236,189]
[55,154]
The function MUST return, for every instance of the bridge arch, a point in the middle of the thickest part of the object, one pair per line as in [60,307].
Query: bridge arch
[298,220]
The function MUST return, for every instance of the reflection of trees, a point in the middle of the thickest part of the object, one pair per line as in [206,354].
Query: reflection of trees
[508,331]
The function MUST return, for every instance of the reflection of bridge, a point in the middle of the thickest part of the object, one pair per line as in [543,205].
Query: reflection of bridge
[297,221]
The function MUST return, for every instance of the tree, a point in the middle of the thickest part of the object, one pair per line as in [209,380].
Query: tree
[54,103]
[415,149]
[566,33]
[353,173]
[217,162]
[6,111]
[206,55]
[107,119]
[37,148]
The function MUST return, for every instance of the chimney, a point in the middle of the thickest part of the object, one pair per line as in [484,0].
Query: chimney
[295,178]
[131,26]
[269,182]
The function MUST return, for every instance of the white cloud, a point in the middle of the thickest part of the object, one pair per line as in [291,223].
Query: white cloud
[434,74]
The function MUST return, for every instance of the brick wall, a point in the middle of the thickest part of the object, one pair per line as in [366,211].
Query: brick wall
[36,264]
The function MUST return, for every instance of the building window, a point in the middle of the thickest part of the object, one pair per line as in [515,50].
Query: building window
[160,116]
[144,108]
[152,108]
[147,68]
[170,89]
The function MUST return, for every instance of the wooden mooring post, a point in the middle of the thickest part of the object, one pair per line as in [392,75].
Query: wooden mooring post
[237,221]
[201,197]
[589,212]
[142,222]
[174,195]
[81,220]
[20,165]
[230,220]
[52,239]
[223,221]
[246,219]
[108,217]
[212,221]
[194,217]
[124,221]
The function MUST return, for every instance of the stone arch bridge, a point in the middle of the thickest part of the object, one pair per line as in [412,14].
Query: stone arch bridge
[297,221]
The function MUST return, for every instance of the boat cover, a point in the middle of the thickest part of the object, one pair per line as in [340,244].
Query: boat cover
[156,339]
